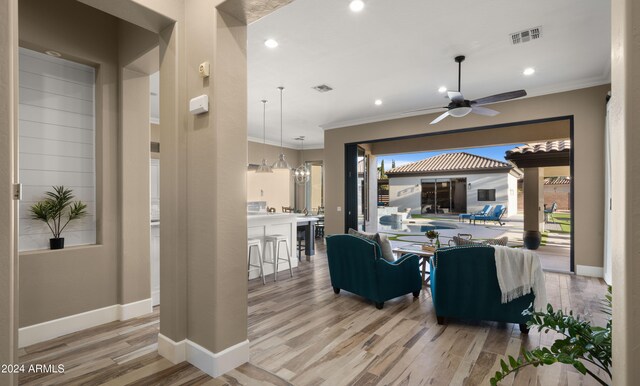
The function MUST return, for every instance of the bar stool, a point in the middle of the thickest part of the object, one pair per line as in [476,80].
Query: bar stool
[276,241]
[257,244]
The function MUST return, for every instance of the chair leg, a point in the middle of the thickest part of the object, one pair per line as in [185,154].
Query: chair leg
[289,257]
[260,257]
[336,290]
[276,257]
[379,305]
[441,320]
[416,293]
[523,328]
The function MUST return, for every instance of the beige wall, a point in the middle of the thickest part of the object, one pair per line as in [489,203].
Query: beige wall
[216,178]
[625,130]
[257,151]
[8,226]
[587,107]
[116,270]
[54,284]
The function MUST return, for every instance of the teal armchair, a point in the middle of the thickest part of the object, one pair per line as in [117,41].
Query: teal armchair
[464,285]
[356,265]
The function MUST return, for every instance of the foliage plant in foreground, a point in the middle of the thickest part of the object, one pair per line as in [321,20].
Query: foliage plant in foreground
[581,343]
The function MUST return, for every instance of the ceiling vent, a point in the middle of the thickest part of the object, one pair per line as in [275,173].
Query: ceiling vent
[526,35]
[322,88]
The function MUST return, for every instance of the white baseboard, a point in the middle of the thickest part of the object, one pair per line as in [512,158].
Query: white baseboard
[135,309]
[214,364]
[73,323]
[588,270]
[175,352]
[155,297]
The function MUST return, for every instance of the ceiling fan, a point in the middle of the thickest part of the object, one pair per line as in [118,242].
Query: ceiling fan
[459,107]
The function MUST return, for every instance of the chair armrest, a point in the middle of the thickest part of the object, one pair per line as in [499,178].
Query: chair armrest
[401,260]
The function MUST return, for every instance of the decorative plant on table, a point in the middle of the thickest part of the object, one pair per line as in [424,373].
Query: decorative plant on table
[433,235]
[57,211]
[581,343]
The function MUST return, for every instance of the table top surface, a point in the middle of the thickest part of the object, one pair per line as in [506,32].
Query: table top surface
[413,248]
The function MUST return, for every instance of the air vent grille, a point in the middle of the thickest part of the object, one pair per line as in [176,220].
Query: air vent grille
[526,35]
[322,88]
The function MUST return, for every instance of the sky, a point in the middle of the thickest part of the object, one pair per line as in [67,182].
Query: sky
[495,152]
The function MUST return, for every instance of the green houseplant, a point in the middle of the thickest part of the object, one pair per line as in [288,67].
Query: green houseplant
[57,210]
[580,343]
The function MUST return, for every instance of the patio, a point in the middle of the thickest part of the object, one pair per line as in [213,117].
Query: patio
[554,250]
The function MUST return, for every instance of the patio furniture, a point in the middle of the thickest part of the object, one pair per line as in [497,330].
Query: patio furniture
[462,236]
[549,211]
[356,265]
[467,216]
[495,215]
[464,285]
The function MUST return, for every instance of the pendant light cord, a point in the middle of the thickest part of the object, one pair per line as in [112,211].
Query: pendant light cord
[264,126]
[281,146]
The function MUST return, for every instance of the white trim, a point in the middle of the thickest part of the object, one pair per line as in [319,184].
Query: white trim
[135,309]
[54,328]
[175,352]
[155,297]
[216,364]
[73,323]
[285,144]
[154,120]
[555,89]
[588,270]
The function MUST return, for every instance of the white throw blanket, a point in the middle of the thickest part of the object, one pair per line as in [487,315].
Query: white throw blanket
[519,272]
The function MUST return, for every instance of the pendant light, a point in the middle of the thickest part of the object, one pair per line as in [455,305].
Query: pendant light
[281,163]
[302,173]
[264,167]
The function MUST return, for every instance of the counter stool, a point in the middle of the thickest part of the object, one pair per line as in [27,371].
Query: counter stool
[276,241]
[255,244]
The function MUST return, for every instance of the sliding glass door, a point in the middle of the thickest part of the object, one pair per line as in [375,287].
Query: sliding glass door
[444,195]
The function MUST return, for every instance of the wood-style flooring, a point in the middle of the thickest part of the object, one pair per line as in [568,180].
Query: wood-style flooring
[301,333]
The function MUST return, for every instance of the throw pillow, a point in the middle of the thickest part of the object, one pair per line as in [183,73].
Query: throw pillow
[501,241]
[385,247]
[460,241]
[382,241]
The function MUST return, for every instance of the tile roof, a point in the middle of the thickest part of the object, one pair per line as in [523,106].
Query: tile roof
[557,181]
[542,147]
[450,162]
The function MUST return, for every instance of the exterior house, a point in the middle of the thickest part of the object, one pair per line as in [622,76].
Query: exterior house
[454,183]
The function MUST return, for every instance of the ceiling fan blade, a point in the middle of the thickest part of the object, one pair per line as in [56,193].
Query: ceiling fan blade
[484,111]
[499,97]
[441,117]
[434,109]
[455,96]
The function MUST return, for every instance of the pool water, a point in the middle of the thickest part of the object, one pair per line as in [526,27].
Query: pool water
[411,228]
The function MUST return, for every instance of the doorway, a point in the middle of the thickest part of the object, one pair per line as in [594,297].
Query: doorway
[443,196]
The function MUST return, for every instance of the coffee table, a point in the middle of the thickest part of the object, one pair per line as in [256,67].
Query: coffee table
[424,256]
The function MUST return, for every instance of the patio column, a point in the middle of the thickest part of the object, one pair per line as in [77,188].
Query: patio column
[533,206]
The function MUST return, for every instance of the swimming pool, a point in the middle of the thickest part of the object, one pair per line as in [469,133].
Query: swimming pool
[397,227]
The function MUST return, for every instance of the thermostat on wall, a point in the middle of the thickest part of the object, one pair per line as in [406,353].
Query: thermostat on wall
[199,104]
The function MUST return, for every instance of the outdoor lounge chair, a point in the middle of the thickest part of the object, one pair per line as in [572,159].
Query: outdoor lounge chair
[549,211]
[496,215]
[467,216]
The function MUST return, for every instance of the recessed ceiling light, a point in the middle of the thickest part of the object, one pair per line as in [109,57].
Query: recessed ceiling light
[442,89]
[55,54]
[529,71]
[356,5]
[271,43]
[378,102]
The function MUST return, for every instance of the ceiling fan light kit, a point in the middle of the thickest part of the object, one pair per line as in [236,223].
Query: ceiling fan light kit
[460,107]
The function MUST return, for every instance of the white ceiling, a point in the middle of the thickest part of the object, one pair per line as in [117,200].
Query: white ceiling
[402,51]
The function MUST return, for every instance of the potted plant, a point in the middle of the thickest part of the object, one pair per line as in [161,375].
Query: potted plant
[579,343]
[431,234]
[57,211]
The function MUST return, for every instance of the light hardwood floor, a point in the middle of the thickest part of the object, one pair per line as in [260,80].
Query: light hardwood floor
[301,333]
